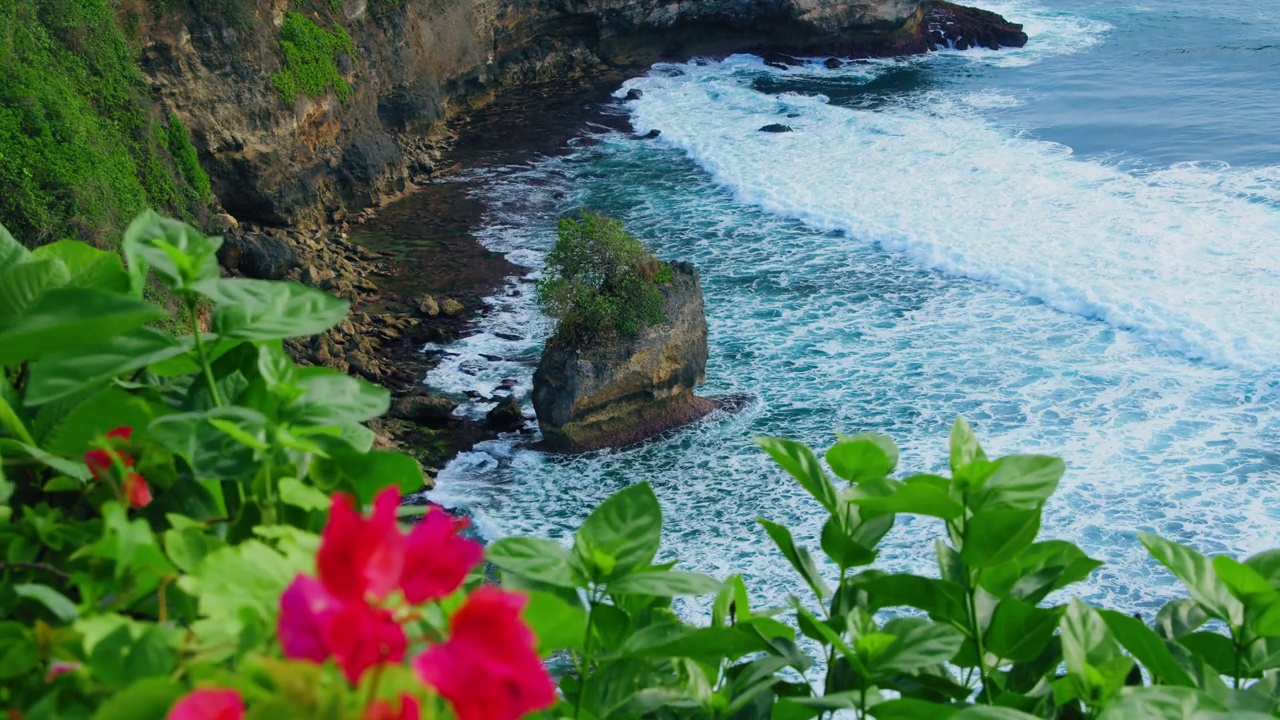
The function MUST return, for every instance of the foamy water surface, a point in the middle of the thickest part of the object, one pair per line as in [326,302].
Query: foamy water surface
[928,242]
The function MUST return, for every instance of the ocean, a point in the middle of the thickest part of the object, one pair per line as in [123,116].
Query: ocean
[1074,245]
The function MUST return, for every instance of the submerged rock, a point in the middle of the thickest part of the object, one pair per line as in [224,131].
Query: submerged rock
[430,410]
[776,128]
[634,94]
[833,63]
[616,391]
[506,416]
[651,135]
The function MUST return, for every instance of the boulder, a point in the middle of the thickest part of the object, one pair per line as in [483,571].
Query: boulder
[833,63]
[253,255]
[634,94]
[776,128]
[428,306]
[452,307]
[651,135]
[614,391]
[431,410]
[506,416]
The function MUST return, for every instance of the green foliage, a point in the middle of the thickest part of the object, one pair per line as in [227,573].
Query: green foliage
[184,155]
[80,153]
[601,280]
[310,59]
[237,446]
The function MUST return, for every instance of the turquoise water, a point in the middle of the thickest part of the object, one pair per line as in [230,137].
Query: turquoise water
[1075,245]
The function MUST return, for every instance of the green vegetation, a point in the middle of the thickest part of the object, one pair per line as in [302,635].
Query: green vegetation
[310,59]
[199,190]
[599,279]
[171,520]
[80,152]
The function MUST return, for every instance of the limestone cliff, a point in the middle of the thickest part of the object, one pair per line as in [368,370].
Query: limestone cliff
[417,61]
[613,391]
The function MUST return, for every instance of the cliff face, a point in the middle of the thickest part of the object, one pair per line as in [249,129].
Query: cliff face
[617,391]
[416,61]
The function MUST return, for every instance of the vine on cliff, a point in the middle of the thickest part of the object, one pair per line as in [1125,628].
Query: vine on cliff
[600,279]
[310,59]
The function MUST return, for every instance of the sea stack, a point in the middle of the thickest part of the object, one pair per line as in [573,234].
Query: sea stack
[613,391]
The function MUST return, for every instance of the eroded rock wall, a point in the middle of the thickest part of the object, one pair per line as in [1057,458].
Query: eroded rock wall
[417,61]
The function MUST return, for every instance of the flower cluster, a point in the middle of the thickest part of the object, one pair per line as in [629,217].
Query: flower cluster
[111,463]
[370,578]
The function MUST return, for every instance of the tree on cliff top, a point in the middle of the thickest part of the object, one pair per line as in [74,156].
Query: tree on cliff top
[601,280]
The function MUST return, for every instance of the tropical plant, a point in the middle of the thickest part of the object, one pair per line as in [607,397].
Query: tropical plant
[599,279]
[184,532]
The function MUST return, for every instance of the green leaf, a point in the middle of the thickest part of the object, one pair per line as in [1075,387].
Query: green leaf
[1020,482]
[666,583]
[1095,664]
[332,398]
[1180,617]
[1039,570]
[917,644]
[23,283]
[991,712]
[997,536]
[212,453]
[690,642]
[621,535]
[800,462]
[964,446]
[19,652]
[1020,631]
[67,319]
[941,599]
[188,547]
[1215,649]
[537,559]
[294,492]
[61,374]
[917,498]
[1267,564]
[1243,581]
[797,556]
[88,266]
[1170,703]
[1197,574]
[180,255]
[149,699]
[858,458]
[557,624]
[13,448]
[101,412]
[57,603]
[268,310]
[11,251]
[364,474]
[1145,645]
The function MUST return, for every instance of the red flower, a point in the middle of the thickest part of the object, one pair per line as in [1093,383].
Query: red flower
[305,608]
[209,705]
[101,462]
[136,490]
[488,669]
[382,710]
[436,559]
[359,556]
[361,636]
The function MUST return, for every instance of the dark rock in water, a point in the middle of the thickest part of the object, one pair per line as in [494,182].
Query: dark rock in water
[652,134]
[634,94]
[966,27]
[793,115]
[776,128]
[506,416]
[263,257]
[833,63]
[492,358]
[781,60]
[613,391]
[508,336]
[430,410]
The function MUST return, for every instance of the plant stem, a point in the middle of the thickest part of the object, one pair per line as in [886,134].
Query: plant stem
[10,420]
[592,601]
[971,597]
[204,358]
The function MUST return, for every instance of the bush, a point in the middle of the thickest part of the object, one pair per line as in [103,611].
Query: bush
[183,536]
[80,153]
[599,279]
[310,57]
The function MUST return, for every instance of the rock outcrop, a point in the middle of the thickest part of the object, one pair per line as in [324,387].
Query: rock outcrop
[319,159]
[613,391]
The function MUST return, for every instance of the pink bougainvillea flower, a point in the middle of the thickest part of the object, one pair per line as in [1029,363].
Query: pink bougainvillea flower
[361,636]
[437,559]
[489,667]
[361,556]
[383,710]
[136,490]
[305,608]
[59,667]
[209,704]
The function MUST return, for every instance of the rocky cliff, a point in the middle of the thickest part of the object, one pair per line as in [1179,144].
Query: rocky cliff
[414,62]
[614,391]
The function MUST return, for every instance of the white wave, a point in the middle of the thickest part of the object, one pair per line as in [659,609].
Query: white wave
[1188,256]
